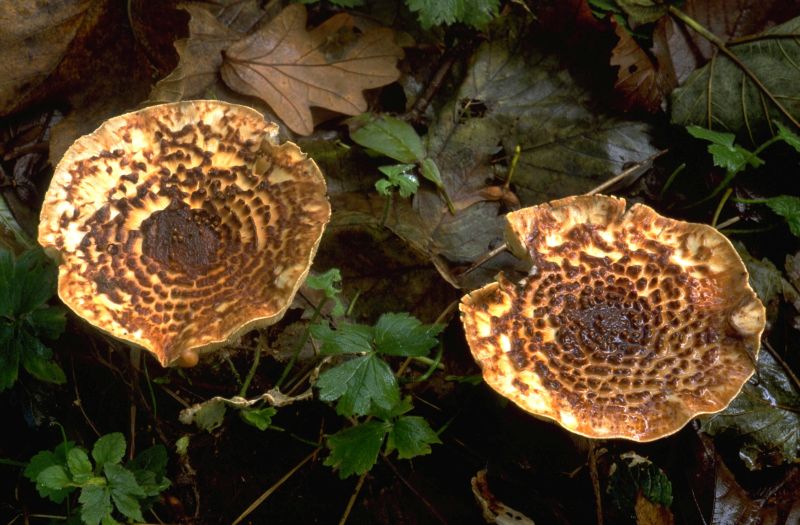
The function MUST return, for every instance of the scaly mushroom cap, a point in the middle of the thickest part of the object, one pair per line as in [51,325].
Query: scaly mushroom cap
[628,325]
[182,226]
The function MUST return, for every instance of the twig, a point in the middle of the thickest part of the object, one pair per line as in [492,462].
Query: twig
[417,493]
[714,39]
[424,100]
[275,486]
[728,222]
[352,499]
[484,259]
[784,364]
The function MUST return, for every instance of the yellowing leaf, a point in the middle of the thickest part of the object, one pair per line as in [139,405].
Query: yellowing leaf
[292,69]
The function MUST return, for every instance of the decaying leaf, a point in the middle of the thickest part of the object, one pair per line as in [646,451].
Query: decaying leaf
[494,510]
[721,96]
[764,418]
[292,68]
[640,81]
[210,414]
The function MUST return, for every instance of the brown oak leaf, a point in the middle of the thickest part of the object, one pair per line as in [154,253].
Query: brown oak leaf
[292,68]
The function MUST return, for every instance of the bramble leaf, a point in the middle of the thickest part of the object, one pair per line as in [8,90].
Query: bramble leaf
[330,283]
[358,385]
[109,449]
[404,335]
[261,418]
[54,477]
[788,136]
[79,465]
[9,355]
[725,153]
[788,207]
[411,436]
[48,322]
[388,136]
[347,339]
[355,450]
[95,503]
[43,460]
[37,359]
[477,13]
[398,176]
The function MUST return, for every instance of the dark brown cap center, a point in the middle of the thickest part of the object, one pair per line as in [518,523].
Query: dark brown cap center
[183,239]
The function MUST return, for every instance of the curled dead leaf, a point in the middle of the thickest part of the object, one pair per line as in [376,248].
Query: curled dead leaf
[292,68]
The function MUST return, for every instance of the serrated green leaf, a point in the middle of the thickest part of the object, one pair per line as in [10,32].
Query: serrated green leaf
[348,338]
[48,322]
[37,359]
[329,283]
[398,176]
[788,137]
[411,436]
[152,459]
[127,505]
[54,477]
[9,356]
[109,449]
[388,136]
[720,95]
[95,504]
[261,418]
[633,474]
[725,153]
[787,207]
[358,385]
[355,450]
[35,276]
[477,13]
[404,335]
[122,480]
[764,418]
[39,463]
[79,465]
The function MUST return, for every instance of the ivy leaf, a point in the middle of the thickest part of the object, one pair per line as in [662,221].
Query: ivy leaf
[787,207]
[95,504]
[404,335]
[359,384]
[347,339]
[261,418]
[411,436]
[109,449]
[763,419]
[79,465]
[477,13]
[388,136]
[398,176]
[355,450]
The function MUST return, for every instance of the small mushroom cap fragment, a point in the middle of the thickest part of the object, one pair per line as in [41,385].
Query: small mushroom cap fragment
[628,325]
[181,226]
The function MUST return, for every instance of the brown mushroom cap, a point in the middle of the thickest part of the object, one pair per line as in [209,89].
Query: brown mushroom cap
[181,226]
[629,324]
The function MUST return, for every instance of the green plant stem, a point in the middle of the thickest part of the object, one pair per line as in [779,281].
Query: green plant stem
[513,167]
[671,179]
[301,344]
[352,303]
[12,463]
[234,371]
[714,39]
[252,372]
[721,205]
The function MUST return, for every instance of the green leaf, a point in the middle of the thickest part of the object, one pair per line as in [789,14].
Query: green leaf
[398,176]
[348,338]
[210,415]
[633,474]
[763,419]
[477,13]
[12,236]
[95,504]
[42,461]
[182,445]
[109,449]
[36,276]
[788,137]
[355,450]
[48,322]
[404,335]
[37,359]
[79,465]
[787,207]
[430,171]
[388,136]
[9,356]
[127,505]
[122,480]
[411,436]
[261,418]
[54,477]
[721,96]
[764,278]
[724,152]
[330,283]
[153,459]
[643,11]
[359,384]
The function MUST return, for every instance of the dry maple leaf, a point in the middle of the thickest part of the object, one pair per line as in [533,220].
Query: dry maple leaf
[292,69]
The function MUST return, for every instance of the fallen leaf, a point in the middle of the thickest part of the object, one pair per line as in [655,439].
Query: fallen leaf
[649,513]
[720,96]
[764,419]
[640,81]
[292,69]
[494,510]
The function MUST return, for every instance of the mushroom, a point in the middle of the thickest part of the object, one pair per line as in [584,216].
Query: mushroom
[628,325]
[182,226]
